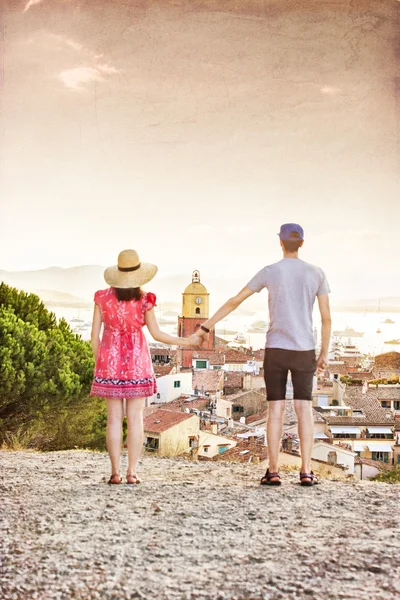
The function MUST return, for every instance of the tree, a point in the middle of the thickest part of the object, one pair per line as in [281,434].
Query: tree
[45,376]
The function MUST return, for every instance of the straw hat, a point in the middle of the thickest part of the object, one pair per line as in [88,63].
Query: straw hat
[129,272]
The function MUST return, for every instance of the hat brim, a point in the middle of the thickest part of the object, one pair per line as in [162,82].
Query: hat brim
[130,279]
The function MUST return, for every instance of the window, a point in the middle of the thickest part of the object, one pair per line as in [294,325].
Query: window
[382,456]
[358,413]
[177,384]
[222,449]
[192,442]
[385,403]
[396,405]
[206,448]
[237,408]
[152,443]
[398,459]
[345,435]
[197,311]
[201,364]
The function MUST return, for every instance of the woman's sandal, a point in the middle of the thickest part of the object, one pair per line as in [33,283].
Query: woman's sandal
[268,477]
[132,479]
[115,479]
[312,480]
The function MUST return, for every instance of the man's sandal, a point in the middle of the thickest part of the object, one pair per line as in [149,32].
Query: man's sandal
[115,479]
[308,479]
[132,479]
[268,479]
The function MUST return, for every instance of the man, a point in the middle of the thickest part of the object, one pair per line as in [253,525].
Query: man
[292,286]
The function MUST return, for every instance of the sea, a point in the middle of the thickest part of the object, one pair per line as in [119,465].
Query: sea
[376,327]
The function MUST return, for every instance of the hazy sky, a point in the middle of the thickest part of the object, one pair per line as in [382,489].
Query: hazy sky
[191,130]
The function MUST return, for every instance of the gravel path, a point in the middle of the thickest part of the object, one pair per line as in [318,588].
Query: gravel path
[190,531]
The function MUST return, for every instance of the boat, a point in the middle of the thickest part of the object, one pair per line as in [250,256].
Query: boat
[378,330]
[349,332]
[239,338]
[388,321]
[393,342]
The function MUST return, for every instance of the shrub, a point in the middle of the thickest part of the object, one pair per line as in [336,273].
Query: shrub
[392,476]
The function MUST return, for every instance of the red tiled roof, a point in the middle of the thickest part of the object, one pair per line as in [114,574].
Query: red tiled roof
[259,354]
[246,395]
[233,379]
[236,356]
[389,360]
[161,420]
[373,413]
[211,379]
[255,448]
[161,370]
[182,403]
[335,368]
[255,418]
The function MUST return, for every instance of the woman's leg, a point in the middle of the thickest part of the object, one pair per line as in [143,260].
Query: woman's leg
[115,415]
[134,415]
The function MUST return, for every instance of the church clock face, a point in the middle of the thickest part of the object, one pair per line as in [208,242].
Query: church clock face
[198,300]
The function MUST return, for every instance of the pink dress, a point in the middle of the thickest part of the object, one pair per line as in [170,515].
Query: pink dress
[123,366]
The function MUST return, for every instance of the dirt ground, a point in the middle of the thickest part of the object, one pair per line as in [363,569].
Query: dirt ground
[190,531]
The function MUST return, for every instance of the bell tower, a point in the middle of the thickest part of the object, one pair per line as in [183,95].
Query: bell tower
[195,311]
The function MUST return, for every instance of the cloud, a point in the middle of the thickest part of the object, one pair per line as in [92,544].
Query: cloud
[330,90]
[77,78]
[31,3]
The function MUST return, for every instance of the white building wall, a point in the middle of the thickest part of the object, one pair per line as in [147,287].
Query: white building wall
[346,459]
[166,390]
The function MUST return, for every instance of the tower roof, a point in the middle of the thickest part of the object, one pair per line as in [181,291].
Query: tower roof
[195,288]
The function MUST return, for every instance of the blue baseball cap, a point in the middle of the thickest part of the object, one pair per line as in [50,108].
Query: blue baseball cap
[291,232]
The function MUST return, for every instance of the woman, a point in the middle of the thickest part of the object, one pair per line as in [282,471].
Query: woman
[123,362]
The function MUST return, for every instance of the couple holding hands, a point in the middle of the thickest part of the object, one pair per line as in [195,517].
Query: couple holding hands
[124,368]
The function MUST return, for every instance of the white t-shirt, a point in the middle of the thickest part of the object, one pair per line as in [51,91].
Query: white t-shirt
[292,286]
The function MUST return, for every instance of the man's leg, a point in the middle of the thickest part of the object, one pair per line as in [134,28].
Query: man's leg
[276,411]
[304,366]
[305,420]
[275,374]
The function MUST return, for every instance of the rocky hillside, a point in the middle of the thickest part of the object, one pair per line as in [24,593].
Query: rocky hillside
[190,531]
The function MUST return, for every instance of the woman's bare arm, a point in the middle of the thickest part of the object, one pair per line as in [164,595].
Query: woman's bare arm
[96,328]
[165,338]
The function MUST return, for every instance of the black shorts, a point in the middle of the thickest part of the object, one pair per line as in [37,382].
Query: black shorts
[301,364]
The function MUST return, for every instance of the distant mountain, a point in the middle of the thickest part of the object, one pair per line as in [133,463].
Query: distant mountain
[78,281]
[54,298]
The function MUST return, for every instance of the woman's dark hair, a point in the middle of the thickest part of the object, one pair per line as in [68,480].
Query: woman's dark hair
[292,245]
[126,294]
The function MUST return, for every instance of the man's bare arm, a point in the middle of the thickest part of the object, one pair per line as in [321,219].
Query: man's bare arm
[229,306]
[326,324]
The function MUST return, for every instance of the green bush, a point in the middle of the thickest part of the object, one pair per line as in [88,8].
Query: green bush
[392,476]
[45,376]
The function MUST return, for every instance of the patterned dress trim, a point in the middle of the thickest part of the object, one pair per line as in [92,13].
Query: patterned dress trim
[124,389]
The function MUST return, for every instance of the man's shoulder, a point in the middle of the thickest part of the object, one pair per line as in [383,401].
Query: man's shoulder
[313,267]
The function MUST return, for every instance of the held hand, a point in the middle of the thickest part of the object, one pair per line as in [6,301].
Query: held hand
[194,340]
[203,334]
[322,362]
